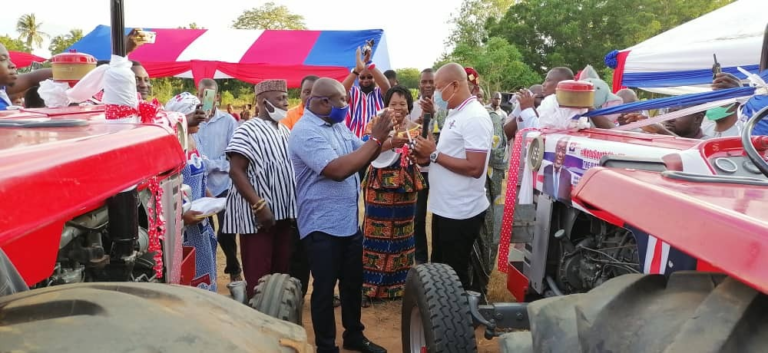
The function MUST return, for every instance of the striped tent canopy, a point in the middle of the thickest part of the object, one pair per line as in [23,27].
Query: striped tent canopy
[680,60]
[247,55]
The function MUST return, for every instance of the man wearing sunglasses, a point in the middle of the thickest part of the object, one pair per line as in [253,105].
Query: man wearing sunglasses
[367,99]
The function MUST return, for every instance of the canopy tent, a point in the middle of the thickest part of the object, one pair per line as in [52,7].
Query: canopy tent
[22,60]
[247,55]
[680,60]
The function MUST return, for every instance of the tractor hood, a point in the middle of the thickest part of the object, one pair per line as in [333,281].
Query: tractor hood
[721,220]
[57,165]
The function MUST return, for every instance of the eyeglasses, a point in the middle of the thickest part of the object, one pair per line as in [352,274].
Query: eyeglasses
[366,77]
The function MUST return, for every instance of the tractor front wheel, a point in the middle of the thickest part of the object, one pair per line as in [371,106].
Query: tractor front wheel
[435,312]
[139,317]
[279,295]
[687,312]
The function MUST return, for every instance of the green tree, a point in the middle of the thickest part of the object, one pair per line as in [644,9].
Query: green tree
[30,31]
[269,16]
[192,25]
[500,65]
[470,22]
[408,77]
[575,33]
[61,42]
[13,44]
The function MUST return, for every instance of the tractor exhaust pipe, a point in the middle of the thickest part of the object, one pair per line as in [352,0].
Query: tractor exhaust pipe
[123,230]
[117,11]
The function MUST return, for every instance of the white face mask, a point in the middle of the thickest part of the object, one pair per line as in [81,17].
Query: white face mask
[278,114]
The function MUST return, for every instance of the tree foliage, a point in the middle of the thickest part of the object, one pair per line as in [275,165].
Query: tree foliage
[14,44]
[192,25]
[499,64]
[408,77]
[575,33]
[269,16]
[30,31]
[470,21]
[61,42]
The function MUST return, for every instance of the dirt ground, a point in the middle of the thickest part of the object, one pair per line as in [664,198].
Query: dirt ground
[382,321]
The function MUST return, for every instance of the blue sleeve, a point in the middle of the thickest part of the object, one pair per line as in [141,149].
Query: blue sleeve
[311,148]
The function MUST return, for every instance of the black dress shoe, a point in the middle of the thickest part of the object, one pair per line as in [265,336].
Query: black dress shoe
[366,346]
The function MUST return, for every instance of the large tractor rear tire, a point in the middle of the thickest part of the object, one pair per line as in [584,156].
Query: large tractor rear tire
[139,317]
[280,296]
[687,312]
[435,312]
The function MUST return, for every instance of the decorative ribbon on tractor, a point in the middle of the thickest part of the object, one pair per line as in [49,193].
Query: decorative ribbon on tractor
[510,199]
[156,225]
[147,111]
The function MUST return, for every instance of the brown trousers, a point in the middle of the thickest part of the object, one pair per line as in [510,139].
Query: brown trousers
[266,252]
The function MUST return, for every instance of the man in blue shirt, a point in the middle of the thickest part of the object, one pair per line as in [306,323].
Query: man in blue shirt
[11,83]
[326,156]
[212,140]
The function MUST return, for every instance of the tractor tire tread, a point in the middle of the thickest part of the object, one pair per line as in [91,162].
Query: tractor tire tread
[279,296]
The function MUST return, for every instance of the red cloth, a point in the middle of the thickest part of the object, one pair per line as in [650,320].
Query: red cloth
[618,73]
[22,60]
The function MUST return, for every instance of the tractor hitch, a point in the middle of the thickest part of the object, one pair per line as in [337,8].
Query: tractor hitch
[505,316]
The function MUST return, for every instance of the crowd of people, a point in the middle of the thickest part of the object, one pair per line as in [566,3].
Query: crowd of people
[293,178]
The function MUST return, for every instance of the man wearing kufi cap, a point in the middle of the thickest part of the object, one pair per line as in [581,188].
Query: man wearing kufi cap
[474,80]
[261,206]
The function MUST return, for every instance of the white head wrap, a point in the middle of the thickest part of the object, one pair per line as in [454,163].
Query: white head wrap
[184,103]
[116,79]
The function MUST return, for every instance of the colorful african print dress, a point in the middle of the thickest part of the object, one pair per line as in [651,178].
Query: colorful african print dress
[388,247]
[201,235]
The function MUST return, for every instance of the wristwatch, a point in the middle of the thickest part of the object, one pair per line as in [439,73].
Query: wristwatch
[433,157]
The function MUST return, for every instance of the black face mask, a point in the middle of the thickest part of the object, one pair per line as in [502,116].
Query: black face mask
[368,89]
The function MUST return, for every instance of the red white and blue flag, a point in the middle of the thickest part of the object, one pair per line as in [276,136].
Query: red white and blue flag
[247,55]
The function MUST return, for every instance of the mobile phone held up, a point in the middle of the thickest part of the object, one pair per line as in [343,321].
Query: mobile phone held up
[147,37]
[716,69]
[209,98]
[368,46]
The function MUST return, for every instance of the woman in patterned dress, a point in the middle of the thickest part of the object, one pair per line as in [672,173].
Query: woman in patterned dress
[390,190]
[198,233]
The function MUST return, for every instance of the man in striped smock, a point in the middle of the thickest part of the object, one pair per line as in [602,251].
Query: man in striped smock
[367,99]
[262,201]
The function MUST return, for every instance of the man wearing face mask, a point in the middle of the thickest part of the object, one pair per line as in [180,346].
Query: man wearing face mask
[261,205]
[457,166]
[326,157]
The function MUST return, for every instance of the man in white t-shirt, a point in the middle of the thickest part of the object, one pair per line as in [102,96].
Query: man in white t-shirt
[458,164]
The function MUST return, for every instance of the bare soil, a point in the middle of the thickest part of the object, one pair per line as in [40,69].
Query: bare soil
[382,321]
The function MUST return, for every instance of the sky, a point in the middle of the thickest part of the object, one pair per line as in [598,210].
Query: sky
[415,29]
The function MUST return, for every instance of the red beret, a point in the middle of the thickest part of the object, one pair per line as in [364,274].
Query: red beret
[472,75]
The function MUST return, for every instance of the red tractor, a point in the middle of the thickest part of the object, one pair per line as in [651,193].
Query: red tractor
[90,225]
[79,194]
[629,242]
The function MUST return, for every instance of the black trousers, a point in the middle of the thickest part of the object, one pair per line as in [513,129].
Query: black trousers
[228,245]
[299,260]
[336,259]
[420,224]
[452,241]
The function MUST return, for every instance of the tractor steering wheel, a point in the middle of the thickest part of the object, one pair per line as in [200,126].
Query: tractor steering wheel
[749,148]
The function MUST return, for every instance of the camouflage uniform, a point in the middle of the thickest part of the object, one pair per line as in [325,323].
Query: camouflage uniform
[486,247]
[436,124]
